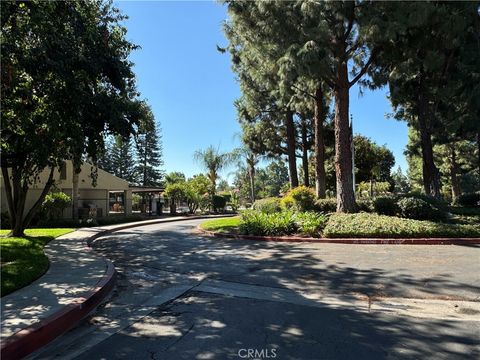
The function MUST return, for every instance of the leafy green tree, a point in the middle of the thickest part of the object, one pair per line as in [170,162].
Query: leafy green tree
[66,81]
[372,162]
[199,183]
[213,162]
[175,177]
[223,186]
[195,190]
[175,192]
[149,152]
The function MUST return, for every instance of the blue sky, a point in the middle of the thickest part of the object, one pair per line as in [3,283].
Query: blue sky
[191,88]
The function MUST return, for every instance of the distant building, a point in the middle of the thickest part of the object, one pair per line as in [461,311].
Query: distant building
[111,195]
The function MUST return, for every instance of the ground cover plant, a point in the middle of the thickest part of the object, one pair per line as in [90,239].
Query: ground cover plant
[359,225]
[377,226]
[23,259]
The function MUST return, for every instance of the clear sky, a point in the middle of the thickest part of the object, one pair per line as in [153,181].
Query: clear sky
[191,87]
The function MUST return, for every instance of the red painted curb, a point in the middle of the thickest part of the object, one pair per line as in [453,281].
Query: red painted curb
[353,241]
[32,338]
[27,340]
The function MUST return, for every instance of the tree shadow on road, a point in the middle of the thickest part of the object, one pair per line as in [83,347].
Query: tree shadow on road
[207,326]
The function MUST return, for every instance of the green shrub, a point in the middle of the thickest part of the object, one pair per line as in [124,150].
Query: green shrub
[287,202]
[106,220]
[469,199]
[326,205]
[365,205]
[268,205]
[385,205]
[311,223]
[363,225]
[380,187]
[300,198]
[218,203]
[54,204]
[435,202]
[254,222]
[205,203]
[416,208]
[259,223]
[234,200]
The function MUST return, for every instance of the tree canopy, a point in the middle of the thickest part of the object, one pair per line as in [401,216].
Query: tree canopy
[66,82]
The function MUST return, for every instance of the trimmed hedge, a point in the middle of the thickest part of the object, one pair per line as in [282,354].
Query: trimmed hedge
[418,209]
[385,205]
[218,203]
[437,203]
[363,225]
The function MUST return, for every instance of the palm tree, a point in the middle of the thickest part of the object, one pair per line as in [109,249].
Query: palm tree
[246,156]
[213,162]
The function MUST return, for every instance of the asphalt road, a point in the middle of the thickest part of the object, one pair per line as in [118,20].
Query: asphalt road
[182,296]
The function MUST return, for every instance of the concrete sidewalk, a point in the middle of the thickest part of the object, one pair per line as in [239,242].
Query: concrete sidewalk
[75,283]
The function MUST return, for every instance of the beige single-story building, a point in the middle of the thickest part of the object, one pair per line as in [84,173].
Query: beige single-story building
[111,194]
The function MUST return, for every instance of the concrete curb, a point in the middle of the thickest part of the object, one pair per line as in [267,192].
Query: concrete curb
[29,339]
[353,241]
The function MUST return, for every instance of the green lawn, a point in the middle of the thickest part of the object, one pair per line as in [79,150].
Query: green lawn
[225,225]
[22,259]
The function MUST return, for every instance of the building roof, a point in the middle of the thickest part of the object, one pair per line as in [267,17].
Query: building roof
[146,188]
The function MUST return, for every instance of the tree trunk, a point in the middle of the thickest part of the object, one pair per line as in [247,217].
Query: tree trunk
[8,192]
[319,117]
[431,181]
[292,158]
[343,146]
[75,175]
[19,227]
[251,175]
[173,207]
[455,184]
[33,210]
[16,197]
[478,145]
[306,178]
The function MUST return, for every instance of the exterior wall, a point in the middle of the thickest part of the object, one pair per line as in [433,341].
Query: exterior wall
[88,194]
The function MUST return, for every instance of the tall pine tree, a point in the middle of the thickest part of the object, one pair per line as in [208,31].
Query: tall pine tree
[122,162]
[149,153]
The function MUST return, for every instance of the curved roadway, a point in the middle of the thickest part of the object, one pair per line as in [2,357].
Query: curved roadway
[180,295]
